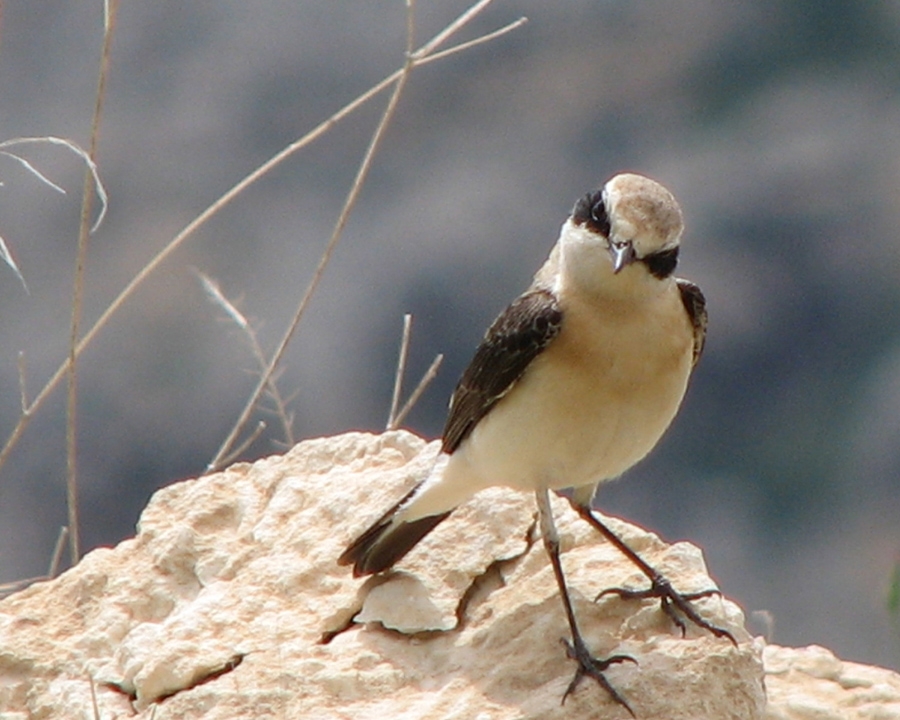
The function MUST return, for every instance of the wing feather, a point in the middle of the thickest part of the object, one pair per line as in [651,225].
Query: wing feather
[515,338]
[695,304]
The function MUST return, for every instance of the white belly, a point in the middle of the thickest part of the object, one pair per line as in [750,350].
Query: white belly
[591,406]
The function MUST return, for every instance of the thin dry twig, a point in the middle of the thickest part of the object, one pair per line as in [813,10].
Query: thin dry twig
[7,257]
[212,289]
[336,233]
[413,58]
[247,442]
[397,416]
[401,371]
[7,589]
[33,170]
[84,232]
[57,552]
[17,585]
[473,43]
[448,31]
[429,375]
[223,201]
[5,252]
[74,147]
[94,699]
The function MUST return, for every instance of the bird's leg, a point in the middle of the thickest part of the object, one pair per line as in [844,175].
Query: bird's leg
[660,587]
[588,665]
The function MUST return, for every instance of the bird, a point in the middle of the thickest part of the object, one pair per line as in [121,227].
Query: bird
[573,384]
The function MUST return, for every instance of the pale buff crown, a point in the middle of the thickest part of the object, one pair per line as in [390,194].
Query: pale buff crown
[644,212]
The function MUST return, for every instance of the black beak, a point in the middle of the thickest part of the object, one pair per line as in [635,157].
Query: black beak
[622,254]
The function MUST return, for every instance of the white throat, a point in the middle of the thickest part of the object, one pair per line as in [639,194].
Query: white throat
[585,265]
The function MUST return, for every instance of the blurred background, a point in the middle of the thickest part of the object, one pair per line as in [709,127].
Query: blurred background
[775,123]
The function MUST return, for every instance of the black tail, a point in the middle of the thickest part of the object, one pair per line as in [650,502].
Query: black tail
[384,543]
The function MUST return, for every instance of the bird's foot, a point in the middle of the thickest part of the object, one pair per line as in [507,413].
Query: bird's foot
[672,603]
[589,666]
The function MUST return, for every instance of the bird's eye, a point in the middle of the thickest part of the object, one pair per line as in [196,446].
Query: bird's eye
[600,217]
[590,210]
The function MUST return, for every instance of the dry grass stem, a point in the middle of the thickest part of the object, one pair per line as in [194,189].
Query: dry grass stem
[473,43]
[33,170]
[420,57]
[17,585]
[6,256]
[57,552]
[7,589]
[397,416]
[236,453]
[94,699]
[74,147]
[401,371]
[96,185]
[349,203]
[413,58]
[429,375]
[84,232]
[212,289]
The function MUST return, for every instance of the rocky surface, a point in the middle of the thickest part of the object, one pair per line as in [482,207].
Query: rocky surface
[228,604]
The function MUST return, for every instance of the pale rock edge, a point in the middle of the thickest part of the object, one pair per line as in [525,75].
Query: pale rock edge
[217,609]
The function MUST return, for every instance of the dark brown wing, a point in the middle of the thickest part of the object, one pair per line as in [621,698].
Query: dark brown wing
[514,339]
[382,545]
[695,304]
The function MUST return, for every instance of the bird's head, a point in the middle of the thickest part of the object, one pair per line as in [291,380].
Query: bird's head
[637,218]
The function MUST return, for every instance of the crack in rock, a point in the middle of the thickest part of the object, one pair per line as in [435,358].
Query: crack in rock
[208,675]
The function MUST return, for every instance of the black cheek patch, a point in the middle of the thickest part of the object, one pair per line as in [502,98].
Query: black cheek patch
[662,264]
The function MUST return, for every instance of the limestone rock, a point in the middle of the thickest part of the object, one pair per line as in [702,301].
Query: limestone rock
[219,606]
[811,682]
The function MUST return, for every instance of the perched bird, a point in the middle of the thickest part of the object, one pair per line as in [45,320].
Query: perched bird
[573,383]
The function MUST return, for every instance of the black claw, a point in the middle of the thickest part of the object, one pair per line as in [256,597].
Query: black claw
[660,587]
[589,666]
[670,599]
